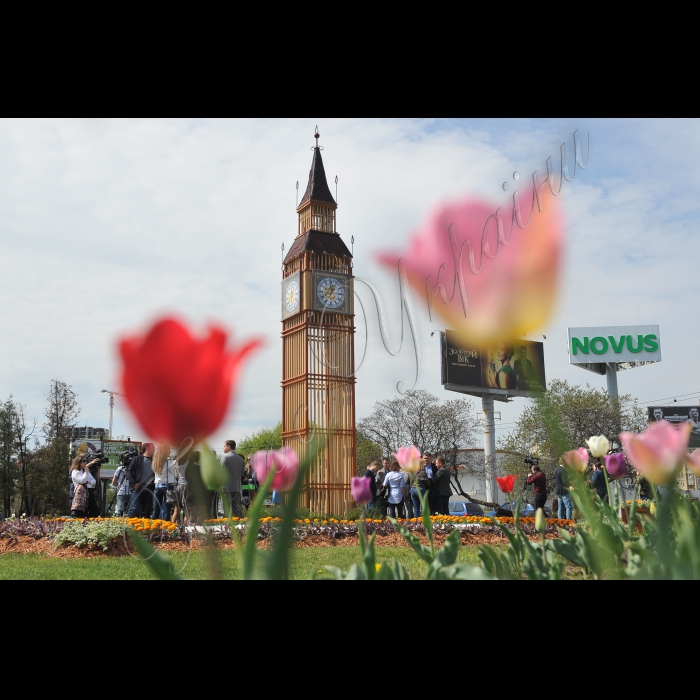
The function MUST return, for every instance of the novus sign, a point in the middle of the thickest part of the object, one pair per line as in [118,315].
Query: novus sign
[614,344]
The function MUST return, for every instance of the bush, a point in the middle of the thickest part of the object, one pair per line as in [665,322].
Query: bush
[99,533]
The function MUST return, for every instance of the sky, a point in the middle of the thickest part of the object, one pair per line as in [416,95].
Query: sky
[108,225]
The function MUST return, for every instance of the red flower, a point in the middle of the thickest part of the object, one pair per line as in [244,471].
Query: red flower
[177,385]
[506,483]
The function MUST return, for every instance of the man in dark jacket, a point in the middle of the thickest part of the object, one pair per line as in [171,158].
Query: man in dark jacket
[441,488]
[430,471]
[371,474]
[561,488]
[540,482]
[141,477]
[234,466]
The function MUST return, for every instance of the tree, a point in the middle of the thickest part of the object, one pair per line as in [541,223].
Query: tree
[53,460]
[419,418]
[8,459]
[563,419]
[263,439]
[366,452]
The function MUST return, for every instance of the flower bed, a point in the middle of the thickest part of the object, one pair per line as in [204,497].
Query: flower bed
[161,531]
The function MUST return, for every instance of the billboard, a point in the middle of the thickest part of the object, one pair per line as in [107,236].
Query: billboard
[111,448]
[508,369]
[597,344]
[677,415]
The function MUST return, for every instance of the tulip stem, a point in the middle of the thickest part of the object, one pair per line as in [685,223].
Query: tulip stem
[607,484]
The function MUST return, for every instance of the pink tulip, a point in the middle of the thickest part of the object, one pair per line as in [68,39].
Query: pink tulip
[692,461]
[360,489]
[577,459]
[283,462]
[501,292]
[616,465]
[408,458]
[658,451]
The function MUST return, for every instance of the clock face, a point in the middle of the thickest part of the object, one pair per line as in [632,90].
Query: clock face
[330,292]
[291,297]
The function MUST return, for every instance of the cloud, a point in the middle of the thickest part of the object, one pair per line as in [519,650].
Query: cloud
[107,224]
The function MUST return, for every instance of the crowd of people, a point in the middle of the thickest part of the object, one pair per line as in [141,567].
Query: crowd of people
[156,485]
[397,493]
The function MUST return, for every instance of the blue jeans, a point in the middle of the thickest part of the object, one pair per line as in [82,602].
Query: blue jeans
[564,502]
[122,507]
[161,508]
[140,503]
[396,509]
[417,511]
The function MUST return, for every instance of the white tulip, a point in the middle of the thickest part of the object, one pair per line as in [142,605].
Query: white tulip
[598,445]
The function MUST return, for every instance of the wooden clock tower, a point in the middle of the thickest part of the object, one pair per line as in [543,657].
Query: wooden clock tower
[318,355]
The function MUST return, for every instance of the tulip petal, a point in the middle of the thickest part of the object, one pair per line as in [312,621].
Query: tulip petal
[177,385]
[504,294]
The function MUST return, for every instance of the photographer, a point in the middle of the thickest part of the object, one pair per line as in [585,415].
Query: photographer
[83,480]
[540,482]
[121,482]
[94,505]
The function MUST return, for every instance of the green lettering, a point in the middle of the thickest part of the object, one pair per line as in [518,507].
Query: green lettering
[583,347]
[640,345]
[650,344]
[615,347]
[604,347]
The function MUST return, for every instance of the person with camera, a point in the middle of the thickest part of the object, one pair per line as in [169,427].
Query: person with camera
[539,480]
[121,482]
[82,480]
[141,476]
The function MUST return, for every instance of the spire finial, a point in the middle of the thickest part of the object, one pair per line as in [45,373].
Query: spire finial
[316,135]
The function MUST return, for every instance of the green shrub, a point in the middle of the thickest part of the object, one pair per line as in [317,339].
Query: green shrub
[98,533]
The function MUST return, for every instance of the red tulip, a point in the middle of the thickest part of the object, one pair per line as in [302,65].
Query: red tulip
[506,483]
[177,385]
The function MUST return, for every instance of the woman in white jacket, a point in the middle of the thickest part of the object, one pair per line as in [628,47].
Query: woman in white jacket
[80,474]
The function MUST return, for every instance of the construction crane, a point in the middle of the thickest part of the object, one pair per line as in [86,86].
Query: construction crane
[112,394]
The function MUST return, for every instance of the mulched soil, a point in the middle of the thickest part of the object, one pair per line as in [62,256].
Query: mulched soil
[118,547]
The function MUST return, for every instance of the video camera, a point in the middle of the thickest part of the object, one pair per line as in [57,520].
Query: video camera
[126,456]
[532,461]
[99,455]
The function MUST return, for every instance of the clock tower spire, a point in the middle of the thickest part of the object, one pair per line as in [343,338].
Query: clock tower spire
[318,356]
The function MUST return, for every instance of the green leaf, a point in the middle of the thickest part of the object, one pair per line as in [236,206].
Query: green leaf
[425,553]
[161,565]
[466,572]
[251,532]
[214,473]
[277,568]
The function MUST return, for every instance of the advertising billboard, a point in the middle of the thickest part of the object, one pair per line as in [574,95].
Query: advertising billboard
[678,415]
[507,369]
[111,448]
[597,344]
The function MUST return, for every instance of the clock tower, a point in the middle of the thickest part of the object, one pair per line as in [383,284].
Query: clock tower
[318,355]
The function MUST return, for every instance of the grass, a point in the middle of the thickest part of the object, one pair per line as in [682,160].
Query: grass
[304,563]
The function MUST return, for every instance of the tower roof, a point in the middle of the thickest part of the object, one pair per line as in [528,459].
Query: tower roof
[317,189]
[319,242]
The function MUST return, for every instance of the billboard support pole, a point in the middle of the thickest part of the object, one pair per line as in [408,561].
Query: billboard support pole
[489,443]
[611,376]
